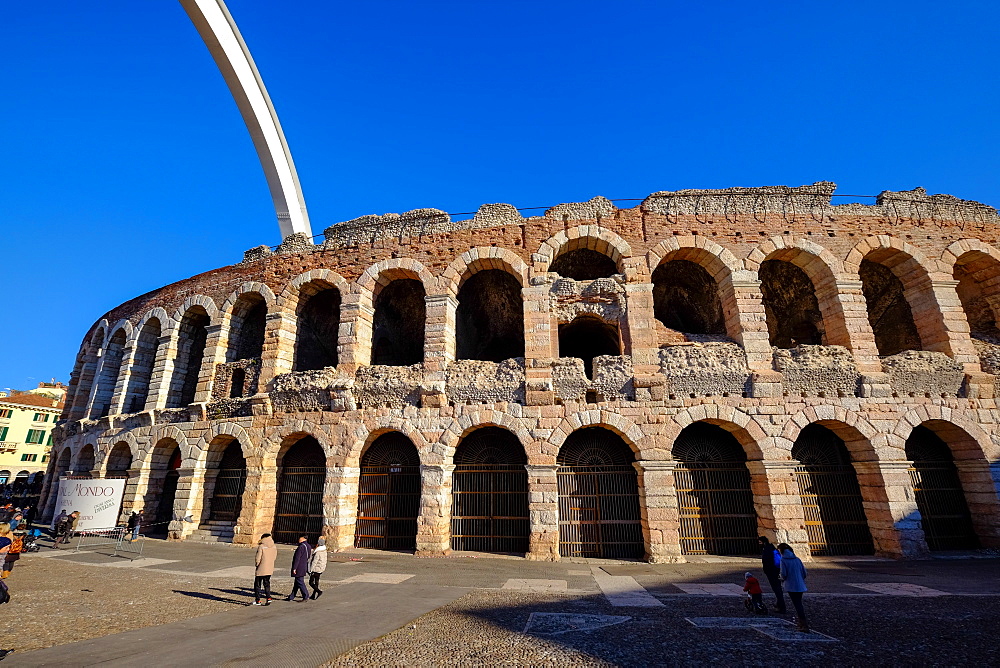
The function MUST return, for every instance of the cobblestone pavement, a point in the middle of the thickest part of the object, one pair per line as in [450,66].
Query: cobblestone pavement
[575,612]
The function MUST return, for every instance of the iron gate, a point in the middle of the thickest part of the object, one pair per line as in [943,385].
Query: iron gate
[834,512]
[388,503]
[165,504]
[716,509]
[599,512]
[944,511]
[227,497]
[489,486]
[300,503]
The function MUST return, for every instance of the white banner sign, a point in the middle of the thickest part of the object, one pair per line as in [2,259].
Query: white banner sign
[97,501]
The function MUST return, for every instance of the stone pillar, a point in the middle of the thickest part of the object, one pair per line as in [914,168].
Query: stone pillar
[131,500]
[50,491]
[434,520]
[660,517]
[162,373]
[543,513]
[778,504]
[979,482]
[279,347]
[340,506]
[895,521]
[743,305]
[439,331]
[541,344]
[947,326]
[354,342]
[639,335]
[257,505]
[847,324]
[187,503]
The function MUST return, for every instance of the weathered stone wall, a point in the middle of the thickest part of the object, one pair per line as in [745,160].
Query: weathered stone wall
[664,380]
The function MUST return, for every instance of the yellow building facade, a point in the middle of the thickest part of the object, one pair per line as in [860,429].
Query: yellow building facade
[26,422]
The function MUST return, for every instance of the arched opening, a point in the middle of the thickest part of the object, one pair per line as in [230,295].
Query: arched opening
[225,482]
[944,510]
[246,328]
[584,264]
[84,462]
[388,494]
[489,321]
[119,461]
[191,336]
[599,512]
[5,477]
[489,511]
[714,497]
[163,481]
[587,337]
[318,329]
[831,496]
[141,371]
[889,312]
[111,365]
[301,478]
[398,324]
[686,298]
[790,306]
[977,275]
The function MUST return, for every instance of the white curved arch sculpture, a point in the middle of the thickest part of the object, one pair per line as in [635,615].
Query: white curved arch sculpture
[220,34]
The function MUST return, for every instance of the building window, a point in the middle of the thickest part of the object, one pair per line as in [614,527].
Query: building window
[28,458]
[3,433]
[49,442]
[36,436]
[44,457]
[41,417]
[5,413]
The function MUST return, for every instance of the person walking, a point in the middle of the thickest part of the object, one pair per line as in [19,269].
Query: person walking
[793,574]
[69,527]
[770,561]
[317,564]
[300,567]
[135,524]
[6,541]
[14,552]
[264,560]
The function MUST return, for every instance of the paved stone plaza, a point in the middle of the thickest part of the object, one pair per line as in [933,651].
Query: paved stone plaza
[189,602]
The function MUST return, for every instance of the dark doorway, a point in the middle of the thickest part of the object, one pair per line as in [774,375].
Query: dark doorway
[686,298]
[584,264]
[318,330]
[398,324]
[790,306]
[246,328]
[599,512]
[230,482]
[490,317]
[190,353]
[831,497]
[888,311]
[944,511]
[490,493]
[301,478]
[165,503]
[388,494]
[588,337]
[144,360]
[714,498]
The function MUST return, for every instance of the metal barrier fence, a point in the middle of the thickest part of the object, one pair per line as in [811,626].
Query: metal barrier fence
[120,537]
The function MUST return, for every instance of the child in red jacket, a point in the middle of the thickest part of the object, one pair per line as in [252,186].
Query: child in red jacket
[752,587]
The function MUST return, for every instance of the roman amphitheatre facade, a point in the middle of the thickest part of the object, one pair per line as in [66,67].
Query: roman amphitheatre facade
[660,381]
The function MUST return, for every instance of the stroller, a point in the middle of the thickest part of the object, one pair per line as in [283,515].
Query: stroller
[30,543]
[757,608]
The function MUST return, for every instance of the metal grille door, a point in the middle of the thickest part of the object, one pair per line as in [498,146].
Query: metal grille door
[489,511]
[944,511]
[388,503]
[599,512]
[227,498]
[300,503]
[834,512]
[716,509]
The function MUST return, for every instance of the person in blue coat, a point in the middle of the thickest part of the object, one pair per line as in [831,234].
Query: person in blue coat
[300,568]
[793,575]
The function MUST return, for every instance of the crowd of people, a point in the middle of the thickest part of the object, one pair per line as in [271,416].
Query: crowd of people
[306,561]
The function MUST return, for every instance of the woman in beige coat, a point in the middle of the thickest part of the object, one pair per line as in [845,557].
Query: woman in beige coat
[266,554]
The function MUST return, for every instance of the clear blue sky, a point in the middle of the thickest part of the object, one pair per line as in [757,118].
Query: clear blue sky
[125,165]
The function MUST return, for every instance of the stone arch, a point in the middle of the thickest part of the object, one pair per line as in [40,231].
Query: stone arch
[161,434]
[204,302]
[955,429]
[714,258]
[366,433]
[590,237]
[479,259]
[864,442]
[380,274]
[85,459]
[288,299]
[202,452]
[106,446]
[313,308]
[140,363]
[821,268]
[628,430]
[110,371]
[244,320]
[249,287]
[755,441]
[918,311]
[464,425]
[976,267]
